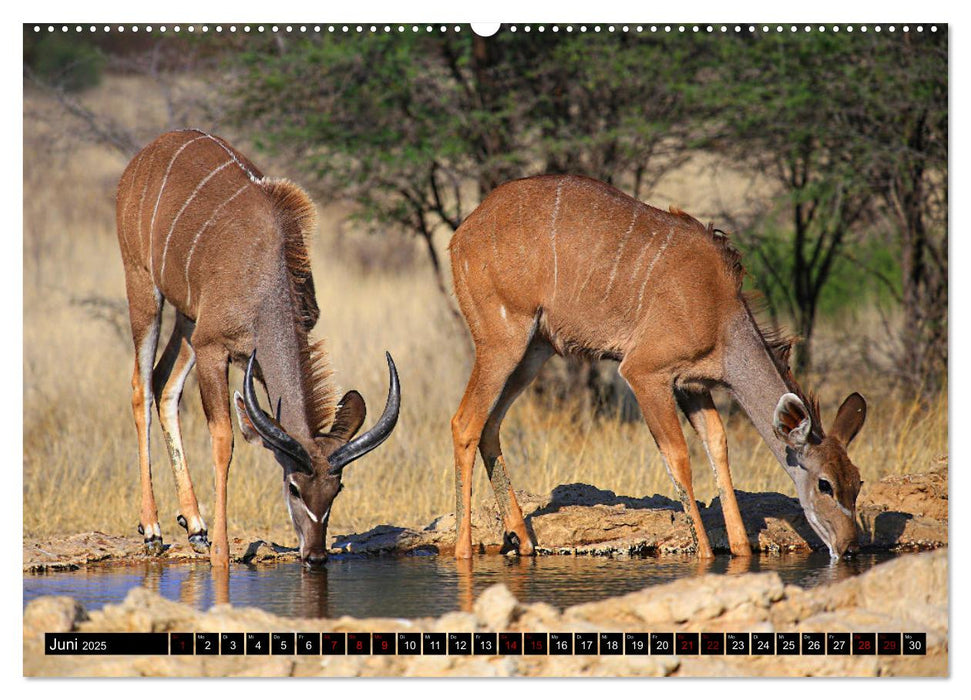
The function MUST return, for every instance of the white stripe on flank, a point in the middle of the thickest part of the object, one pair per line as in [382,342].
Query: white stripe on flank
[650,268]
[192,196]
[620,252]
[522,229]
[556,211]
[151,226]
[134,174]
[141,210]
[192,248]
[249,173]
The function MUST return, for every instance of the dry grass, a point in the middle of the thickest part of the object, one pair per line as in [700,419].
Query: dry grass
[80,463]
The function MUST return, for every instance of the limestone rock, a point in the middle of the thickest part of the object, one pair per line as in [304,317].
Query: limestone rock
[52,614]
[496,608]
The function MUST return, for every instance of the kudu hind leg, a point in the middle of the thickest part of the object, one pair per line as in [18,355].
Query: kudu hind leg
[700,410]
[656,398]
[168,382]
[145,310]
[489,446]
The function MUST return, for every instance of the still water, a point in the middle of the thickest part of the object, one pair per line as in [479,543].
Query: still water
[419,586]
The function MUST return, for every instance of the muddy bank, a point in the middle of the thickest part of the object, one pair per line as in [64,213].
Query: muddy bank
[907,512]
[908,594]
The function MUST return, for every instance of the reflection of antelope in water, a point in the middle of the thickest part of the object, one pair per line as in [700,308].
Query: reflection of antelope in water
[563,264]
[200,227]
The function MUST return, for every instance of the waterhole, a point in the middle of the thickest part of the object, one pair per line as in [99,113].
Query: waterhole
[419,586]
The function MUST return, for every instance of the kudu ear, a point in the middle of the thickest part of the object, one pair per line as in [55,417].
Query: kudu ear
[792,422]
[349,418]
[246,426]
[849,419]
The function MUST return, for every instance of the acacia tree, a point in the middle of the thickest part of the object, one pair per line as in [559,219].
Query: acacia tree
[853,128]
[779,100]
[905,131]
[403,124]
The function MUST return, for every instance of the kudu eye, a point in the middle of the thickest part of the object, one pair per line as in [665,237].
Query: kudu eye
[294,492]
[825,487]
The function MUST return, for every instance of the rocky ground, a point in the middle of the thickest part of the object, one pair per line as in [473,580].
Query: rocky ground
[907,594]
[907,512]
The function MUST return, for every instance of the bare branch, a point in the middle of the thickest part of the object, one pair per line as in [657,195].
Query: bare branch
[103,130]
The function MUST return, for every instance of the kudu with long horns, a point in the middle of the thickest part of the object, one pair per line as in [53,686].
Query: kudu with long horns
[565,264]
[200,227]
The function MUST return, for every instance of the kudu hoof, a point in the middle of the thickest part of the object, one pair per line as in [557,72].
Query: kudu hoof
[200,542]
[510,543]
[153,544]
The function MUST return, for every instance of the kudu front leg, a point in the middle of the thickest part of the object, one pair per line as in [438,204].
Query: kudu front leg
[213,368]
[512,515]
[537,353]
[169,380]
[466,430]
[700,410]
[489,376]
[655,396]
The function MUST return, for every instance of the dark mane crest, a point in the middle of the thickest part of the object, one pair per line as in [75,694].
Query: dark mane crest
[297,217]
[780,344]
[317,373]
[730,254]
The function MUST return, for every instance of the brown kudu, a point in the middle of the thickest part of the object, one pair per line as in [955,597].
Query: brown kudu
[200,227]
[564,264]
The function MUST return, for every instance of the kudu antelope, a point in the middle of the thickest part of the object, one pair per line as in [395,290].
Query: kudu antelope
[563,264]
[200,227]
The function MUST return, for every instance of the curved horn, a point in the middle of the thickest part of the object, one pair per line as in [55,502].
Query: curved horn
[274,436]
[366,442]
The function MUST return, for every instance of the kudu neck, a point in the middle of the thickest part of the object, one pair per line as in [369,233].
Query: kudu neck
[755,380]
[279,346]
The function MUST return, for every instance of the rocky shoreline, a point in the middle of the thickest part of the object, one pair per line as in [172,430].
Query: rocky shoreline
[898,513]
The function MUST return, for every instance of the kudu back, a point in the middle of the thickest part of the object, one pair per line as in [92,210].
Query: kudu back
[570,265]
[200,227]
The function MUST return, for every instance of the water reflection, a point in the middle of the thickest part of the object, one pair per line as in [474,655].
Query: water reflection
[421,586]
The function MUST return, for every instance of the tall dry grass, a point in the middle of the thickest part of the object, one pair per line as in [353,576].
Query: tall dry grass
[80,460]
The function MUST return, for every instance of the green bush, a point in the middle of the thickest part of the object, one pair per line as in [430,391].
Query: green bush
[67,62]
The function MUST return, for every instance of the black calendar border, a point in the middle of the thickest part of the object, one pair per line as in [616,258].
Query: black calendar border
[485,643]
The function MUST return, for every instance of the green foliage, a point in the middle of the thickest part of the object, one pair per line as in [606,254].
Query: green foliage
[851,127]
[869,272]
[831,118]
[398,121]
[67,62]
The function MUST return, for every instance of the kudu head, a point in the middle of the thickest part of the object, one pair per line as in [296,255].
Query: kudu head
[826,480]
[312,467]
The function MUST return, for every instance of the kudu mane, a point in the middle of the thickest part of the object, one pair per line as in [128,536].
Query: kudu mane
[297,217]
